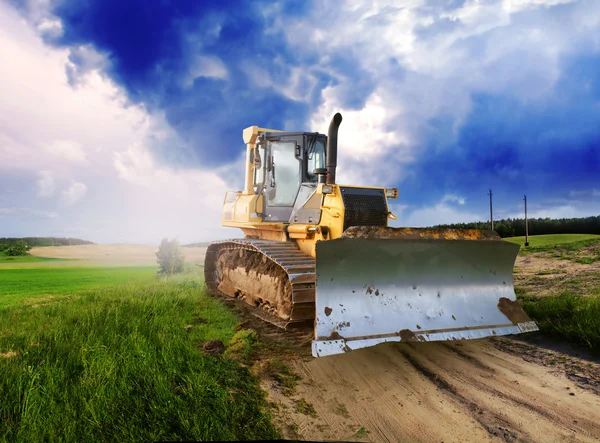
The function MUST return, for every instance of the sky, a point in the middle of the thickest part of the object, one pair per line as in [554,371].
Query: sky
[121,122]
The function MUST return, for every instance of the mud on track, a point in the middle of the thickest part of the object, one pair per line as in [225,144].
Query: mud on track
[452,391]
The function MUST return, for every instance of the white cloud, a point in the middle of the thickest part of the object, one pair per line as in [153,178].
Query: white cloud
[205,66]
[45,185]
[68,150]
[73,193]
[439,214]
[26,212]
[453,198]
[519,5]
[90,138]
[426,62]
[585,193]
[365,142]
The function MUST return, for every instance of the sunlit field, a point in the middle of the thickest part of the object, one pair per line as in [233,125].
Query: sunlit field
[114,354]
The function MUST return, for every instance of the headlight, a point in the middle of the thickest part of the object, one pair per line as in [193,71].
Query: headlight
[327,189]
[391,192]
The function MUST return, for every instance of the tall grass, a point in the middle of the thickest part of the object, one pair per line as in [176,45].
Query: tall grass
[568,315]
[27,283]
[124,364]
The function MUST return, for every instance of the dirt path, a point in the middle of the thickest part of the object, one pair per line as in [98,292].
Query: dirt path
[499,389]
[468,391]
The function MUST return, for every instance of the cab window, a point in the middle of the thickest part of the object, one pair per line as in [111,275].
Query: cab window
[315,157]
[285,176]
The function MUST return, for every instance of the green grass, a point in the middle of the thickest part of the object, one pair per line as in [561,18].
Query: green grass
[27,283]
[580,248]
[567,315]
[121,363]
[552,239]
[28,259]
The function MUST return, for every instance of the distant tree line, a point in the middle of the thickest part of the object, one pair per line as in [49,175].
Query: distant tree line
[44,241]
[515,227]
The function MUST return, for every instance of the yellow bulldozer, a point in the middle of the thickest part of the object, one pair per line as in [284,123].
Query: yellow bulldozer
[318,252]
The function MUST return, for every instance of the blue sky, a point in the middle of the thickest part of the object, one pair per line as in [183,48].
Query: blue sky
[121,121]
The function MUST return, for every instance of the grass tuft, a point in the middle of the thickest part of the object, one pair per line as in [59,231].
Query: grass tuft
[304,407]
[567,315]
[241,344]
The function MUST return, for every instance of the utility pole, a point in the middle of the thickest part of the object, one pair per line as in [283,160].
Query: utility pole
[526,226]
[491,216]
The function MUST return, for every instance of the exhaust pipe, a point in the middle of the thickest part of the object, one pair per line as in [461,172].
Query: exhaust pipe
[331,150]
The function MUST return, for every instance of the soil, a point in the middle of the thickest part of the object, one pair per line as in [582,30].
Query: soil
[521,388]
[541,275]
[138,255]
[213,347]
[480,390]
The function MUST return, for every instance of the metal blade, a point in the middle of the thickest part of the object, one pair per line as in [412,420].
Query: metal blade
[371,290]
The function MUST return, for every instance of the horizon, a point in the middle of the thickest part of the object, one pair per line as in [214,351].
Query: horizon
[134,130]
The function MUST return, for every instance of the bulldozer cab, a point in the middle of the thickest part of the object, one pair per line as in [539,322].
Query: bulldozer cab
[283,164]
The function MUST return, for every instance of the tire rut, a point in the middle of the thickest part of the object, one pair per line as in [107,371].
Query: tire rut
[495,425]
[474,361]
[528,400]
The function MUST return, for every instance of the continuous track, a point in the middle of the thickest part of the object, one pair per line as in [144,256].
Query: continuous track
[284,292]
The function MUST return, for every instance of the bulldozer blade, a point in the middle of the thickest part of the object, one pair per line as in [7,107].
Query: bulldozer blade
[375,290]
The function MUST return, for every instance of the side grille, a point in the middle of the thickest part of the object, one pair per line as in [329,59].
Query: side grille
[364,207]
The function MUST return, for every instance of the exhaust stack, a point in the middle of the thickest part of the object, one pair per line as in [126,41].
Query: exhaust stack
[331,150]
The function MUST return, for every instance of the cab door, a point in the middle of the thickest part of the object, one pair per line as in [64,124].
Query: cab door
[283,176]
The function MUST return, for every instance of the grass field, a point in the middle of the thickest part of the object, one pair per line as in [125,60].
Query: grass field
[572,314]
[552,239]
[26,259]
[28,283]
[117,357]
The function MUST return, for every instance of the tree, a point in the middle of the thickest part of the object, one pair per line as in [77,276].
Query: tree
[18,248]
[169,257]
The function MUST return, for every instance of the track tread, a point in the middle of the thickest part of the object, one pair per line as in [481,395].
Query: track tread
[299,268]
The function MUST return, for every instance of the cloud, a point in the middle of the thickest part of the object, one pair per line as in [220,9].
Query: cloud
[467,93]
[585,193]
[26,212]
[205,66]
[443,100]
[73,193]
[68,150]
[45,185]
[97,149]
[453,198]
[438,214]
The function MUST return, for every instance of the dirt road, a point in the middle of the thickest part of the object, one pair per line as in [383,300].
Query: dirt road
[434,392]
[501,389]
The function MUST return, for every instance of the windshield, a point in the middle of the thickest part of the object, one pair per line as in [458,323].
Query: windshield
[315,156]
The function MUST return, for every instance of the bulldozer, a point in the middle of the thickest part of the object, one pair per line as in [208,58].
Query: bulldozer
[322,254]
